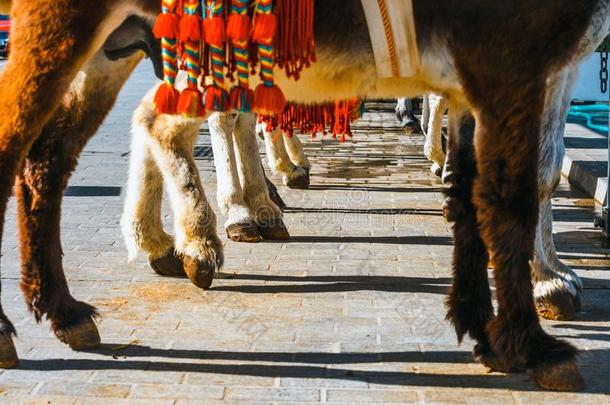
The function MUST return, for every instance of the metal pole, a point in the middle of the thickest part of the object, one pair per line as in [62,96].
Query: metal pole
[604,86]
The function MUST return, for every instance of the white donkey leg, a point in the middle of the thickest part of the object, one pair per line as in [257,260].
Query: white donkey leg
[425,114]
[295,150]
[141,220]
[433,147]
[256,193]
[406,116]
[556,287]
[241,222]
[171,142]
[280,162]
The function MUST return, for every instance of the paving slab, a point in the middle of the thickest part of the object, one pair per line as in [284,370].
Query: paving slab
[351,310]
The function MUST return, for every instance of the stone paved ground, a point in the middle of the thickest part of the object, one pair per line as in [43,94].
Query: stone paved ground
[349,311]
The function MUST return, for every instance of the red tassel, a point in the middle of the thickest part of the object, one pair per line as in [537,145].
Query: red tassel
[241,99]
[190,28]
[166,99]
[268,100]
[216,99]
[238,27]
[190,104]
[214,30]
[265,26]
[167,25]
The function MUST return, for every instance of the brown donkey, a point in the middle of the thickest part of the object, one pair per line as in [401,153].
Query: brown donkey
[465,47]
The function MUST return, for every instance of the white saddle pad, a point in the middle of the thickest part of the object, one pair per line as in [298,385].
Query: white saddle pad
[392,30]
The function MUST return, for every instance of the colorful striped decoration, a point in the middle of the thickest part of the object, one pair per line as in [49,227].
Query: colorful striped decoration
[190,103]
[281,30]
[216,97]
[268,97]
[238,32]
[167,29]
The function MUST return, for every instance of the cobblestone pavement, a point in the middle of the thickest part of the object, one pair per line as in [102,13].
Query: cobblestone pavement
[349,311]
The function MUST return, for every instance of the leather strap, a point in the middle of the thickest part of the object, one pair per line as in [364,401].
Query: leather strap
[392,30]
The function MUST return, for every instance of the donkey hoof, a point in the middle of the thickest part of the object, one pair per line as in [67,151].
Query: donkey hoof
[488,358]
[169,265]
[299,180]
[8,354]
[200,272]
[436,170]
[559,306]
[275,196]
[276,230]
[82,336]
[577,303]
[246,232]
[558,377]
[411,128]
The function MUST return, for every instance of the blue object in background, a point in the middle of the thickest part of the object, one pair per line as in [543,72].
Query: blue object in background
[593,116]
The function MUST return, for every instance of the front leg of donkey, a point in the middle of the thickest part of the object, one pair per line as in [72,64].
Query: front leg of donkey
[34,80]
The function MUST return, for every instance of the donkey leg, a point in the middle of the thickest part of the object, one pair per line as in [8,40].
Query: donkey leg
[557,288]
[268,215]
[469,302]
[433,147]
[241,221]
[425,113]
[555,294]
[280,163]
[506,195]
[36,77]
[295,150]
[39,191]
[406,116]
[171,142]
[141,222]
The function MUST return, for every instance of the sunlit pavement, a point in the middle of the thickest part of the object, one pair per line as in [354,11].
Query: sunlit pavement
[349,311]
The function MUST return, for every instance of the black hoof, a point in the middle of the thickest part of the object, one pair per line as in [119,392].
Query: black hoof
[170,265]
[246,233]
[82,336]
[487,357]
[274,231]
[275,195]
[562,376]
[299,181]
[201,273]
[8,354]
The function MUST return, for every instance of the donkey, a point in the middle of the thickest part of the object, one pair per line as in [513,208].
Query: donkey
[405,114]
[162,153]
[462,49]
[286,157]
[557,288]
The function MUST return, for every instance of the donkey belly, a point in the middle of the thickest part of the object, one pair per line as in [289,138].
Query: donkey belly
[342,76]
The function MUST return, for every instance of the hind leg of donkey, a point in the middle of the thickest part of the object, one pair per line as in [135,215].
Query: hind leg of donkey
[268,216]
[39,191]
[171,143]
[506,195]
[32,82]
[469,302]
[141,222]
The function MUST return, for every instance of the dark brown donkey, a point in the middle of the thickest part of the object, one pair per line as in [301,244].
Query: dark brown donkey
[493,56]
